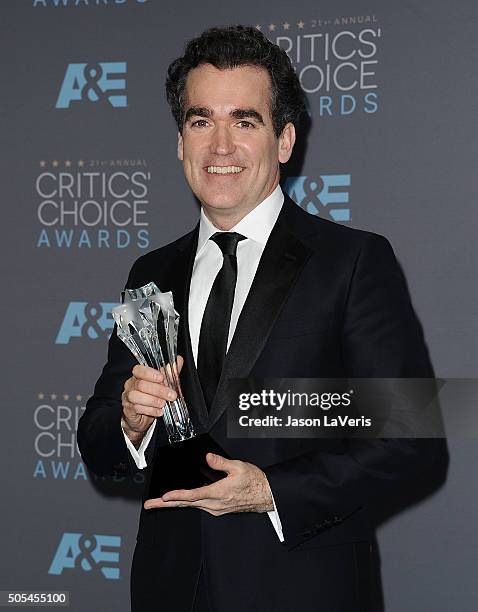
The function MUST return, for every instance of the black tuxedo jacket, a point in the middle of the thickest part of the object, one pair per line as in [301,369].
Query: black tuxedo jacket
[326,301]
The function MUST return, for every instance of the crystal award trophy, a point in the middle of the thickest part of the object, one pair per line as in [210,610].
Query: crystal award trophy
[147,323]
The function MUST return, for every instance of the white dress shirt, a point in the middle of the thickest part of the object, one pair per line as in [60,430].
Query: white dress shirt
[256,226]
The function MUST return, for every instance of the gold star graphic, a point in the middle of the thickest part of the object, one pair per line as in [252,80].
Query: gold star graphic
[54,163]
[272,27]
[67,163]
[42,163]
[300,24]
[81,163]
[53,396]
[286,25]
[41,396]
[66,396]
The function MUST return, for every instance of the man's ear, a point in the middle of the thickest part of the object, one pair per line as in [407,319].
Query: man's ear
[180,146]
[286,143]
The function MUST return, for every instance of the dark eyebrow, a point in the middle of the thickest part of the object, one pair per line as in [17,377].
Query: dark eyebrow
[197,111]
[237,113]
[247,113]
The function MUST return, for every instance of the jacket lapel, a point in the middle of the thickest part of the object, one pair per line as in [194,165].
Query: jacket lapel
[180,281]
[283,258]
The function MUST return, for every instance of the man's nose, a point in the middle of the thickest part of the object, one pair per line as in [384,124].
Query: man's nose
[222,142]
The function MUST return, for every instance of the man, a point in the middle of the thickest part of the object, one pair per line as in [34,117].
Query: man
[290,526]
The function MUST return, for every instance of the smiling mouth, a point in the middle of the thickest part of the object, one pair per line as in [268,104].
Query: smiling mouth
[224,169]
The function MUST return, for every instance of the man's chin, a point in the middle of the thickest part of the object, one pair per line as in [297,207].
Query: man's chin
[220,203]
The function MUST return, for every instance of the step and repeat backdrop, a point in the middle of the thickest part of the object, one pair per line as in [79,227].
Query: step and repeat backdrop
[90,181]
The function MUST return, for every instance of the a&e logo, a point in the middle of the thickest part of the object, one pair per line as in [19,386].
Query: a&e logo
[91,553]
[86,319]
[326,193]
[94,82]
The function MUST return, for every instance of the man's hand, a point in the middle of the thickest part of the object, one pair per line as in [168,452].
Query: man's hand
[143,399]
[244,489]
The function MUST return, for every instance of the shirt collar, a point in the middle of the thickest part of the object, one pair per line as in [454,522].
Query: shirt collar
[256,225]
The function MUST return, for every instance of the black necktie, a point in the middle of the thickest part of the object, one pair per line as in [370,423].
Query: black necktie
[217,316]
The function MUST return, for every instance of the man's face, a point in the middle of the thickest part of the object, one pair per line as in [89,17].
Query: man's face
[229,151]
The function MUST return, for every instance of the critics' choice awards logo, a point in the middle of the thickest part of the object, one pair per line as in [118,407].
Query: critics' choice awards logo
[325,196]
[87,206]
[55,420]
[336,60]
[57,457]
[86,320]
[97,554]
[94,83]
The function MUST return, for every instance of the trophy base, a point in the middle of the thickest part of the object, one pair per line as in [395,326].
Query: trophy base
[183,465]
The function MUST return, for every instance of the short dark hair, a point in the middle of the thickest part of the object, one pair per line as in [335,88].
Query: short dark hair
[232,46]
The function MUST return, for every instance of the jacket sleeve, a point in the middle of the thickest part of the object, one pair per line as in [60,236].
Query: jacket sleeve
[381,337]
[100,437]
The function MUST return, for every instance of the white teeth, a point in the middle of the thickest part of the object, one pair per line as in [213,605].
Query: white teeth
[224,169]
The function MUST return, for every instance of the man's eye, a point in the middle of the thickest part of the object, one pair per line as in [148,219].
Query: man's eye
[199,123]
[246,124]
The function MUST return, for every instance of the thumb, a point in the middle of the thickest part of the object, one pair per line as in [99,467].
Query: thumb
[219,463]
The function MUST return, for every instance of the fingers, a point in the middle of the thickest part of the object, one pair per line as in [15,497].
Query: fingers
[149,374]
[152,375]
[135,402]
[230,494]
[212,506]
[133,411]
[212,491]
[146,393]
[151,382]
[143,388]
[217,462]
[146,388]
